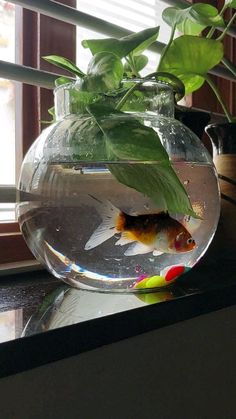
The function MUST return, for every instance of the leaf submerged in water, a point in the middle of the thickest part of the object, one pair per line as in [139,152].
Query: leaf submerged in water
[128,139]
[158,181]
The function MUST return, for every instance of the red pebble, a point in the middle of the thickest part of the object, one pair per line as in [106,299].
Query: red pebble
[174,272]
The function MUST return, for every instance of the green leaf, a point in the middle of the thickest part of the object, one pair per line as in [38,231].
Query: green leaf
[79,100]
[136,43]
[139,62]
[192,20]
[86,140]
[173,81]
[65,64]
[127,139]
[105,72]
[231,4]
[157,181]
[62,80]
[190,58]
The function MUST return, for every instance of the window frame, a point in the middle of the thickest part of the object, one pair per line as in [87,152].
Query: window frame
[37,35]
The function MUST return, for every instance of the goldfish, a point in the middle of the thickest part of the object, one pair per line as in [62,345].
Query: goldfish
[157,233]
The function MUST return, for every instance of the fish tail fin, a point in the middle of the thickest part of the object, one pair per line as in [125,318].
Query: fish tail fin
[110,217]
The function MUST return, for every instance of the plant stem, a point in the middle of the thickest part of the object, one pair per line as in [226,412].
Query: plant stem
[132,89]
[127,95]
[229,65]
[164,51]
[130,61]
[217,93]
[227,27]
[212,30]
[99,126]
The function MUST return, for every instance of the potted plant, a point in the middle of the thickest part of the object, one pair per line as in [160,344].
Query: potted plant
[116,170]
[188,57]
[192,55]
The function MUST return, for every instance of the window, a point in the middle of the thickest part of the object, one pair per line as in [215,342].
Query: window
[7,107]
[138,15]
[40,34]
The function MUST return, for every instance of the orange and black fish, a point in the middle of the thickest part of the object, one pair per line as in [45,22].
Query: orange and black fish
[158,233]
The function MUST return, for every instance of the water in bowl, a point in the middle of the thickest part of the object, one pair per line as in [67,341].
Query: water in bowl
[63,209]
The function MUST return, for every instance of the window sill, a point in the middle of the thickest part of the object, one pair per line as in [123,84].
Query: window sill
[20,267]
[77,321]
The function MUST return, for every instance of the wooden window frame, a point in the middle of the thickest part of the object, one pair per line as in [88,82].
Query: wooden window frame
[37,35]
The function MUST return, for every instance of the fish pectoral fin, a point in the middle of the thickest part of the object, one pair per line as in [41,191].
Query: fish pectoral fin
[138,249]
[157,253]
[124,239]
[107,228]
[99,236]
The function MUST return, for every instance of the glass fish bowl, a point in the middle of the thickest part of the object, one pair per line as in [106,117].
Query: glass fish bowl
[100,222]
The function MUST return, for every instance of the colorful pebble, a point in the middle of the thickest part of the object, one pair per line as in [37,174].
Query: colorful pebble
[167,277]
[174,272]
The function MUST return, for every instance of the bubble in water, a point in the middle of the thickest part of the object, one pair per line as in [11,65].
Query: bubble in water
[186,182]
[146,206]
[58,228]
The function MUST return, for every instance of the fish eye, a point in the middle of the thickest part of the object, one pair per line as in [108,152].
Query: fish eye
[190,241]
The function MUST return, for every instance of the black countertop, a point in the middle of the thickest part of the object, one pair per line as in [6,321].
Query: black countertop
[44,320]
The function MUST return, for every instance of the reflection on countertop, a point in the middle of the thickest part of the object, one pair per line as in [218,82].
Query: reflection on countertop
[42,303]
[36,302]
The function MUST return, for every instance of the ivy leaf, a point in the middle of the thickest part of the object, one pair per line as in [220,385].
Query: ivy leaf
[62,80]
[173,81]
[139,61]
[105,72]
[231,3]
[65,64]
[157,181]
[190,58]
[79,100]
[127,139]
[86,140]
[136,43]
[192,20]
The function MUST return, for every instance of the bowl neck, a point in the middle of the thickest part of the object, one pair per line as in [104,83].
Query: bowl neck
[148,96]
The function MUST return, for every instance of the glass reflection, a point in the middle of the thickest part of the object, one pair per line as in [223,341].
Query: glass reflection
[67,306]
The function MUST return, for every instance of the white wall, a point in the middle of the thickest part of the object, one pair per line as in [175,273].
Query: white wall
[184,371]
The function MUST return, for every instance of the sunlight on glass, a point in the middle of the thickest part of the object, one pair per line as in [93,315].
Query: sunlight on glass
[7,96]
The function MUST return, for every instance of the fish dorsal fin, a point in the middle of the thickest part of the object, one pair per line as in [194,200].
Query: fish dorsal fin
[107,228]
[138,249]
